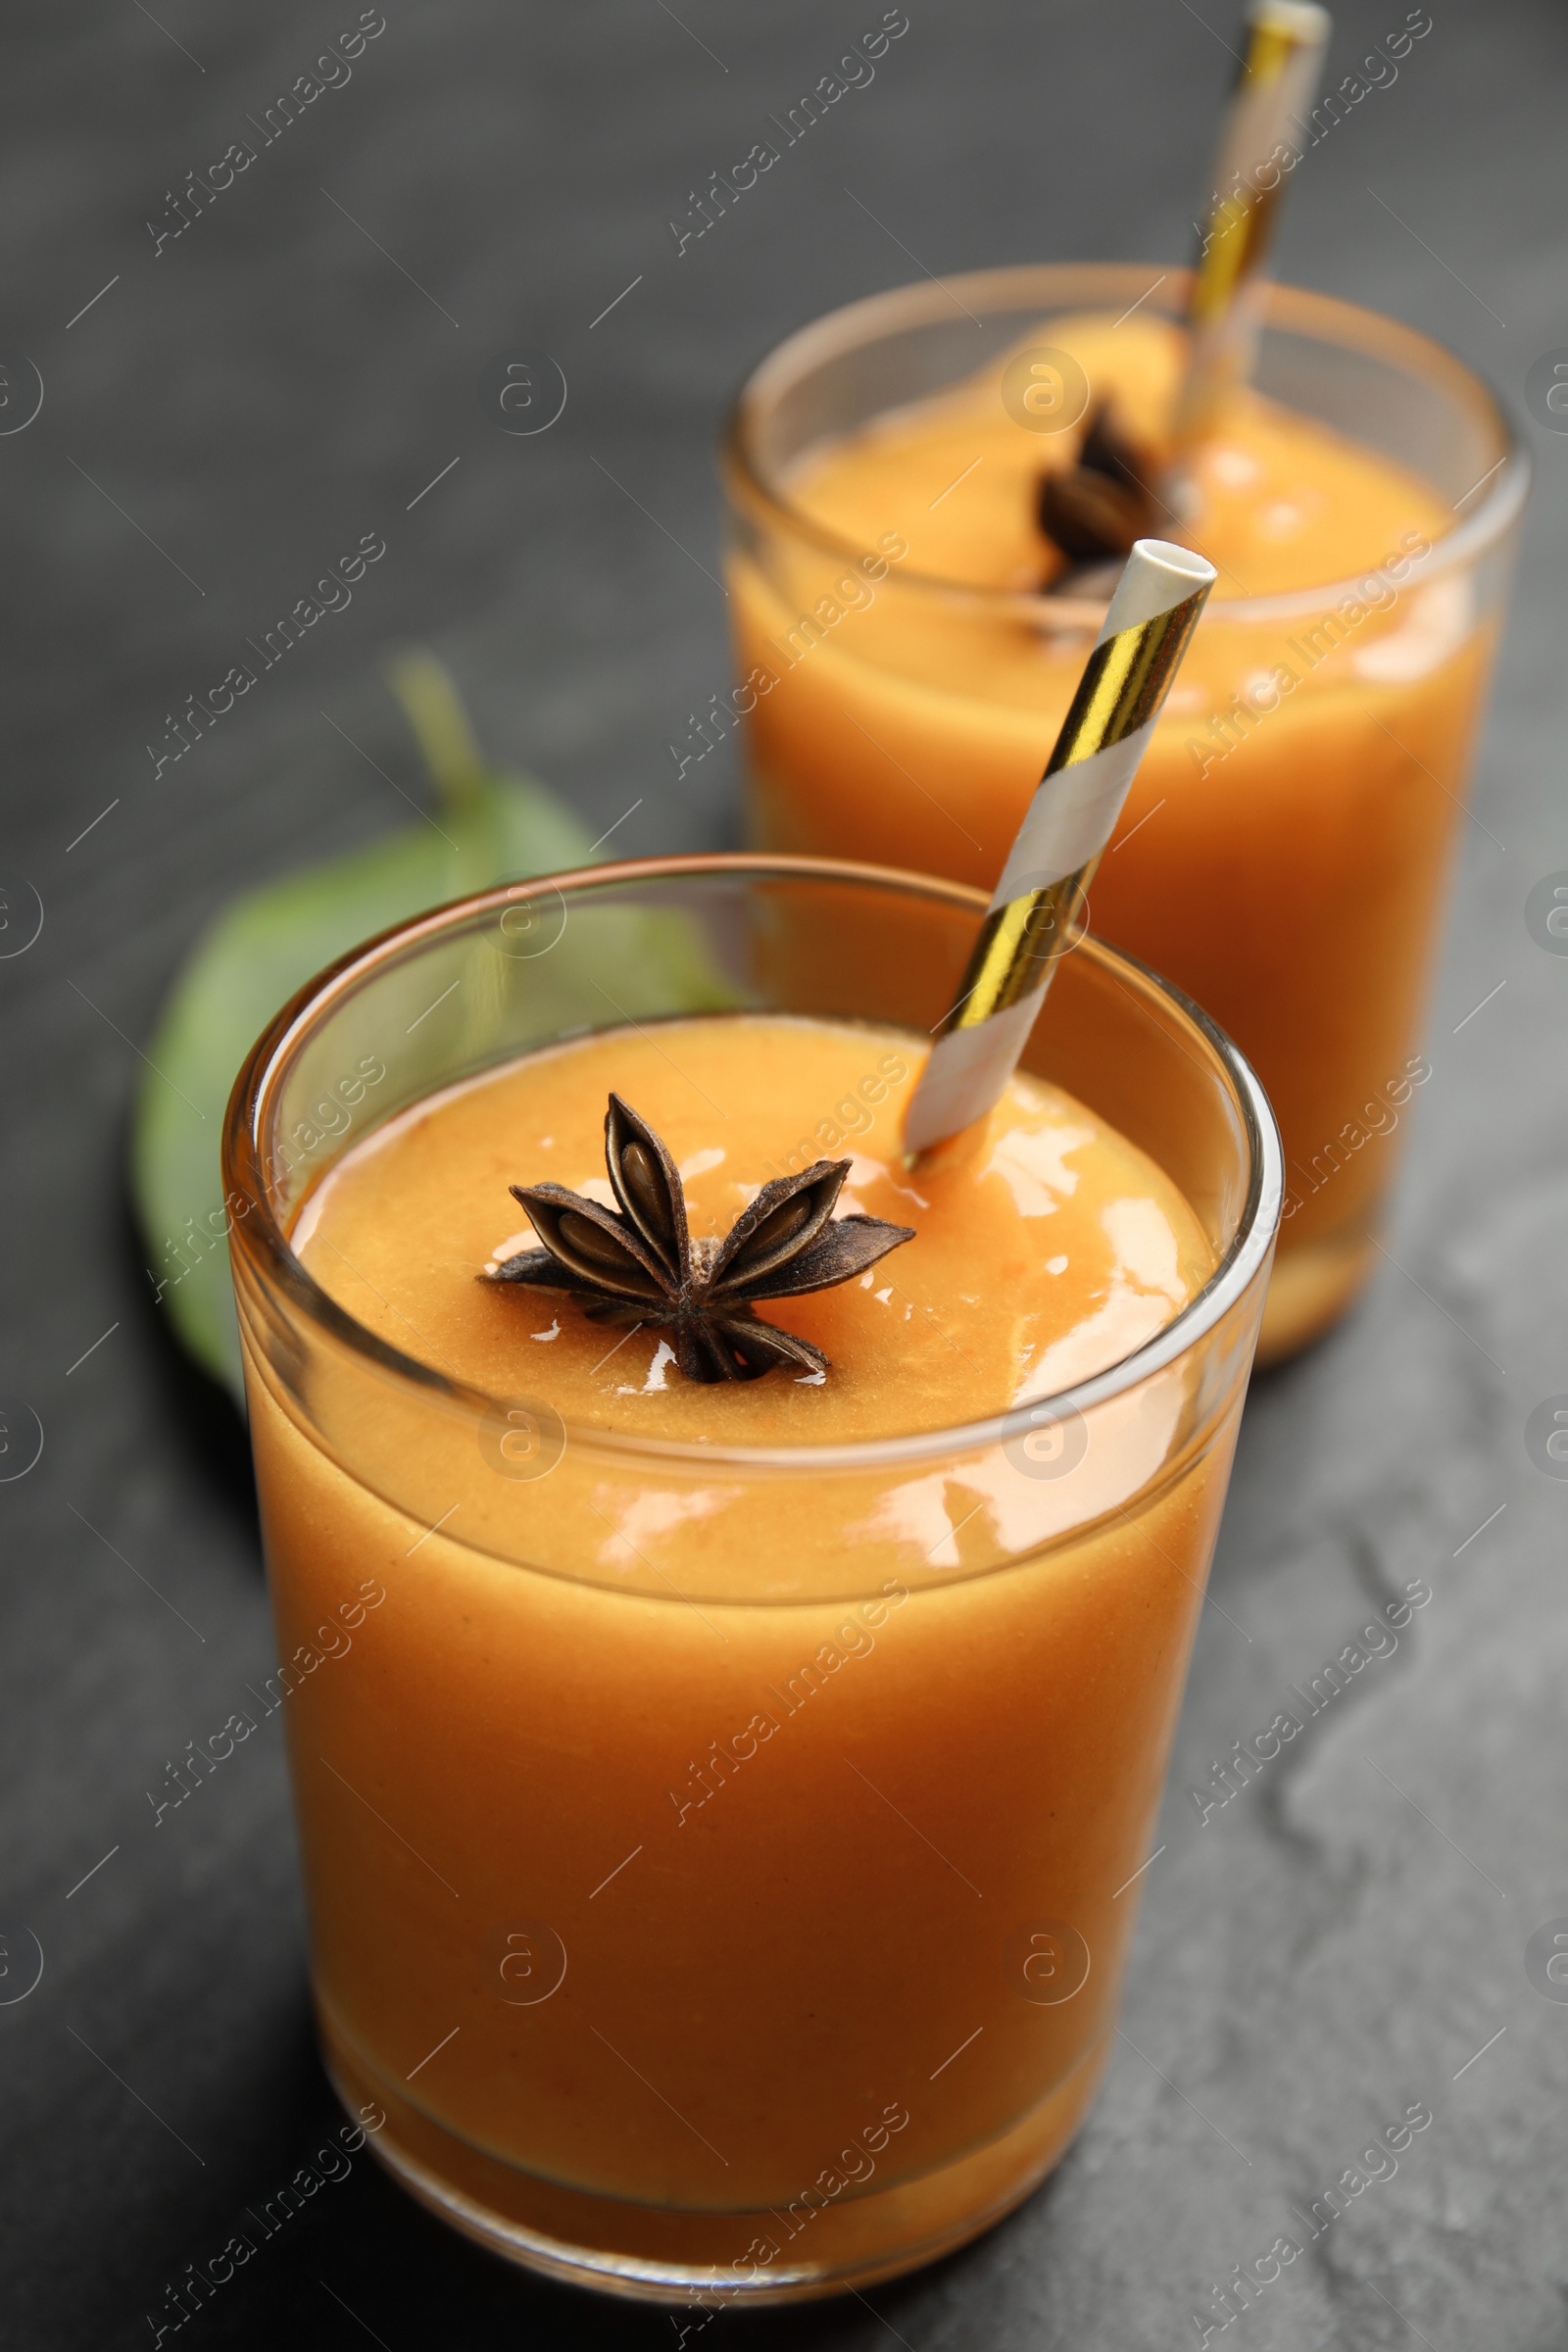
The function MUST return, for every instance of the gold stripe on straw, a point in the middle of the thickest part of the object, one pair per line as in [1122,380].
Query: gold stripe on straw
[1276,86]
[1152,615]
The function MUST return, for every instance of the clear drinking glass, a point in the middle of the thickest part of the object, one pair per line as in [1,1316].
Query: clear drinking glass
[852,2012]
[1284,853]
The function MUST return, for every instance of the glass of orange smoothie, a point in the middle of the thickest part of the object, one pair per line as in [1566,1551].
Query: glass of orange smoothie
[1284,852]
[721,1805]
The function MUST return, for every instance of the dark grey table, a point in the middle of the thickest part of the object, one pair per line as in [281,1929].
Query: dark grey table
[224,411]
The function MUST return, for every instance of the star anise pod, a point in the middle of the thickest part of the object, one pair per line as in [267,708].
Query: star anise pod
[1095,509]
[644,1267]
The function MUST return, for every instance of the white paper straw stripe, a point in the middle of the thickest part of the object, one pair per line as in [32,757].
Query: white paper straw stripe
[968,1070]
[1071,818]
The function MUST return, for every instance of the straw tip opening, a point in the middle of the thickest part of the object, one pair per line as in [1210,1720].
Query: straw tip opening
[1167,555]
[1303,19]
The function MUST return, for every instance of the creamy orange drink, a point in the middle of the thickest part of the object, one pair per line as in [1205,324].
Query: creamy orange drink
[908,637]
[721,1843]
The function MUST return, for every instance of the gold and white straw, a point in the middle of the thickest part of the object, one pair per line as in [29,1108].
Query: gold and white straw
[1274,91]
[1104,736]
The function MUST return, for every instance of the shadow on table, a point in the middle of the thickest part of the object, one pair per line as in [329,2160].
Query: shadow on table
[362,2263]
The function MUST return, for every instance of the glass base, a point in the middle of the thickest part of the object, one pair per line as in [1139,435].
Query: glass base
[1310,1287]
[660,2255]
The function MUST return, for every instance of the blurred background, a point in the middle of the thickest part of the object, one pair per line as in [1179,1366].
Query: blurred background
[311,361]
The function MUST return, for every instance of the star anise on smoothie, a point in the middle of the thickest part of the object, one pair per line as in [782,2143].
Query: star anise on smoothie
[643,1264]
[1095,509]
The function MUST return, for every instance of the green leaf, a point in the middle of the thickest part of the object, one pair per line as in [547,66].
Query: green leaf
[486,828]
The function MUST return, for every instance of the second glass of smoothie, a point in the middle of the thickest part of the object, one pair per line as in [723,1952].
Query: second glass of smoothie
[906,656]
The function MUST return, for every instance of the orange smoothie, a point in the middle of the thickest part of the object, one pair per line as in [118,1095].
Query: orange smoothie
[741,1854]
[1283,853]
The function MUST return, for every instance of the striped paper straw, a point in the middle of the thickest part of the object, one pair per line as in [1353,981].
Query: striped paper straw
[1152,615]
[1274,89]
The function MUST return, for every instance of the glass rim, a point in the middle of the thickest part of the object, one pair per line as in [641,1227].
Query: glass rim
[1296,309]
[259,1235]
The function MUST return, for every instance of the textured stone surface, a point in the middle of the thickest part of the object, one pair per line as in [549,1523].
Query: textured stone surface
[1333,1944]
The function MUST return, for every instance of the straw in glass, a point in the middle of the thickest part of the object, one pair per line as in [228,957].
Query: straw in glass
[1104,736]
[1274,90]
